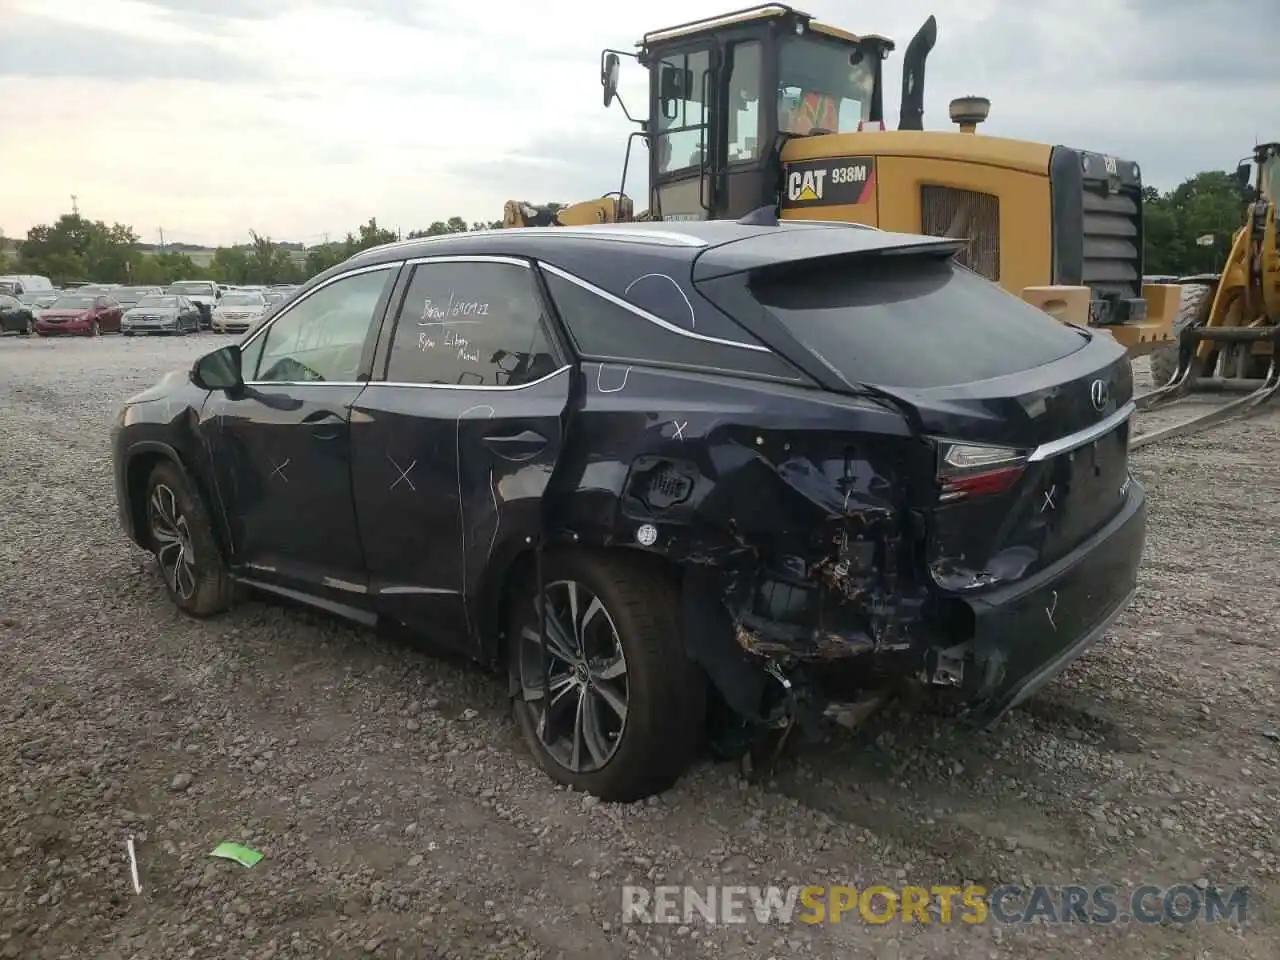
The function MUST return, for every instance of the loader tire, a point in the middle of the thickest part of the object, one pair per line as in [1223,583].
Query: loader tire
[1197,300]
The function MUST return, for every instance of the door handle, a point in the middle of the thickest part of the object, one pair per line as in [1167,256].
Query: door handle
[516,447]
[327,424]
[525,438]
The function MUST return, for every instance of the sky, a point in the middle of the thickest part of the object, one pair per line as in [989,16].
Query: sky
[300,119]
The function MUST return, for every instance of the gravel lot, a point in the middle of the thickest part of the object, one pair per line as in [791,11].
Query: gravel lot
[400,816]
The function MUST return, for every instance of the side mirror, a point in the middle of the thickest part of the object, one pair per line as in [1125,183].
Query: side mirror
[609,78]
[1243,175]
[219,370]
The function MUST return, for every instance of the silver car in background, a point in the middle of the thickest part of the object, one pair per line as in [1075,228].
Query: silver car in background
[237,311]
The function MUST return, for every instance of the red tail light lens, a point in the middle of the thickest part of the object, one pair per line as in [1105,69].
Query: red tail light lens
[968,470]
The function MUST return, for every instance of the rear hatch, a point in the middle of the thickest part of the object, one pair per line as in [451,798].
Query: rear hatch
[1028,418]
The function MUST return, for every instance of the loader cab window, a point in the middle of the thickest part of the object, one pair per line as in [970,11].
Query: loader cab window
[820,88]
[745,84]
[682,116]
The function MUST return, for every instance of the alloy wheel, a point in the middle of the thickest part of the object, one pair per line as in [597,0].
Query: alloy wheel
[172,536]
[96,329]
[576,686]
[31,326]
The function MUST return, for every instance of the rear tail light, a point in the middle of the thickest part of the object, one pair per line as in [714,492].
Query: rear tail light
[968,470]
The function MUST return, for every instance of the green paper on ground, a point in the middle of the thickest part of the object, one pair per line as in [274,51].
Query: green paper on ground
[240,854]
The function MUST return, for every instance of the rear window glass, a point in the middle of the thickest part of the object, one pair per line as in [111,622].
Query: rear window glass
[913,321]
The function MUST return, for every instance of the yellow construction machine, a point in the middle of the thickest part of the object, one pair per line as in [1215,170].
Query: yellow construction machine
[1229,327]
[767,107]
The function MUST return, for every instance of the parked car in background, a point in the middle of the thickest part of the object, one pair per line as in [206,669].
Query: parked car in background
[203,293]
[16,316]
[98,288]
[128,297]
[161,313]
[789,468]
[237,311]
[80,313]
[15,285]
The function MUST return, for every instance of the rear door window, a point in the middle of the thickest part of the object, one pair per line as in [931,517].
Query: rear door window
[478,324]
[912,321]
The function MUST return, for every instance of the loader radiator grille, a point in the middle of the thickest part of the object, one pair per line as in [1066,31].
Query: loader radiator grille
[965,214]
[1112,242]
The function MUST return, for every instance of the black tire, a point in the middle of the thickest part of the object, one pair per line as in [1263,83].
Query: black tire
[95,329]
[127,333]
[178,525]
[664,691]
[30,327]
[1193,309]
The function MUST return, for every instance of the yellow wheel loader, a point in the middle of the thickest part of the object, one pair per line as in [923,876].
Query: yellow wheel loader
[767,107]
[1229,326]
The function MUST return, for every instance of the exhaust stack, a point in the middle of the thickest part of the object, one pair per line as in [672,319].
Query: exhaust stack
[968,112]
[911,115]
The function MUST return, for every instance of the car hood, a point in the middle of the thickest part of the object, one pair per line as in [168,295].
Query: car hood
[248,308]
[152,312]
[59,314]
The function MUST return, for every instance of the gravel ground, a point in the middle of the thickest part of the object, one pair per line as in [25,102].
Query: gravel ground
[400,817]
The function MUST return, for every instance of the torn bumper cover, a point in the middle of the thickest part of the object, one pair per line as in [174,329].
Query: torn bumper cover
[1027,633]
[862,617]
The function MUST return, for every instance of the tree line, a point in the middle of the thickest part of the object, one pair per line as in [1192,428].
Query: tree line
[75,248]
[78,249]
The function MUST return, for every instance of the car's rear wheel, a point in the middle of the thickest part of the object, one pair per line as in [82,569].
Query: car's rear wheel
[612,706]
[183,542]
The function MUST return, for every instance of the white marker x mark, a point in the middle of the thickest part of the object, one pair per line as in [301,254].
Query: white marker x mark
[404,474]
[1048,499]
[679,428]
[1050,610]
[279,470]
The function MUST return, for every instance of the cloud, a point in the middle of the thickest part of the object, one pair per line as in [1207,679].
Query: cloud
[45,47]
[323,113]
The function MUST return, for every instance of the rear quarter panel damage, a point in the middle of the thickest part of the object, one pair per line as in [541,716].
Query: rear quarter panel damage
[785,513]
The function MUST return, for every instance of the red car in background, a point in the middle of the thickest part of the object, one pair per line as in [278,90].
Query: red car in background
[87,314]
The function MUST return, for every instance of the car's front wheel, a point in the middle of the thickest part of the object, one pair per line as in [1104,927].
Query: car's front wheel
[30,327]
[95,329]
[611,705]
[184,545]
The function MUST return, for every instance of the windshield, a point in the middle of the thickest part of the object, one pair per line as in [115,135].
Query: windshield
[72,303]
[242,300]
[818,88]
[187,289]
[158,302]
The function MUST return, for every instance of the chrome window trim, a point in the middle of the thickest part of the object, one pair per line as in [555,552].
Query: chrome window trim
[645,314]
[468,258]
[467,386]
[1083,437]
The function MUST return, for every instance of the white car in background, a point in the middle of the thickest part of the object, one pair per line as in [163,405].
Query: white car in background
[237,311]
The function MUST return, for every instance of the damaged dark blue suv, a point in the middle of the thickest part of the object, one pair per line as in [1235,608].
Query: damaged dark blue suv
[746,471]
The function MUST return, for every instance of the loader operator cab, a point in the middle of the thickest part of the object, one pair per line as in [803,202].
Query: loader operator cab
[721,90]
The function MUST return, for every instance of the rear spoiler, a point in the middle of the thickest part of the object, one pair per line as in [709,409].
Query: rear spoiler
[811,244]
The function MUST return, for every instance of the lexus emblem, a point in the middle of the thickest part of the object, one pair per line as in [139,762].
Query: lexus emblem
[1099,394]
